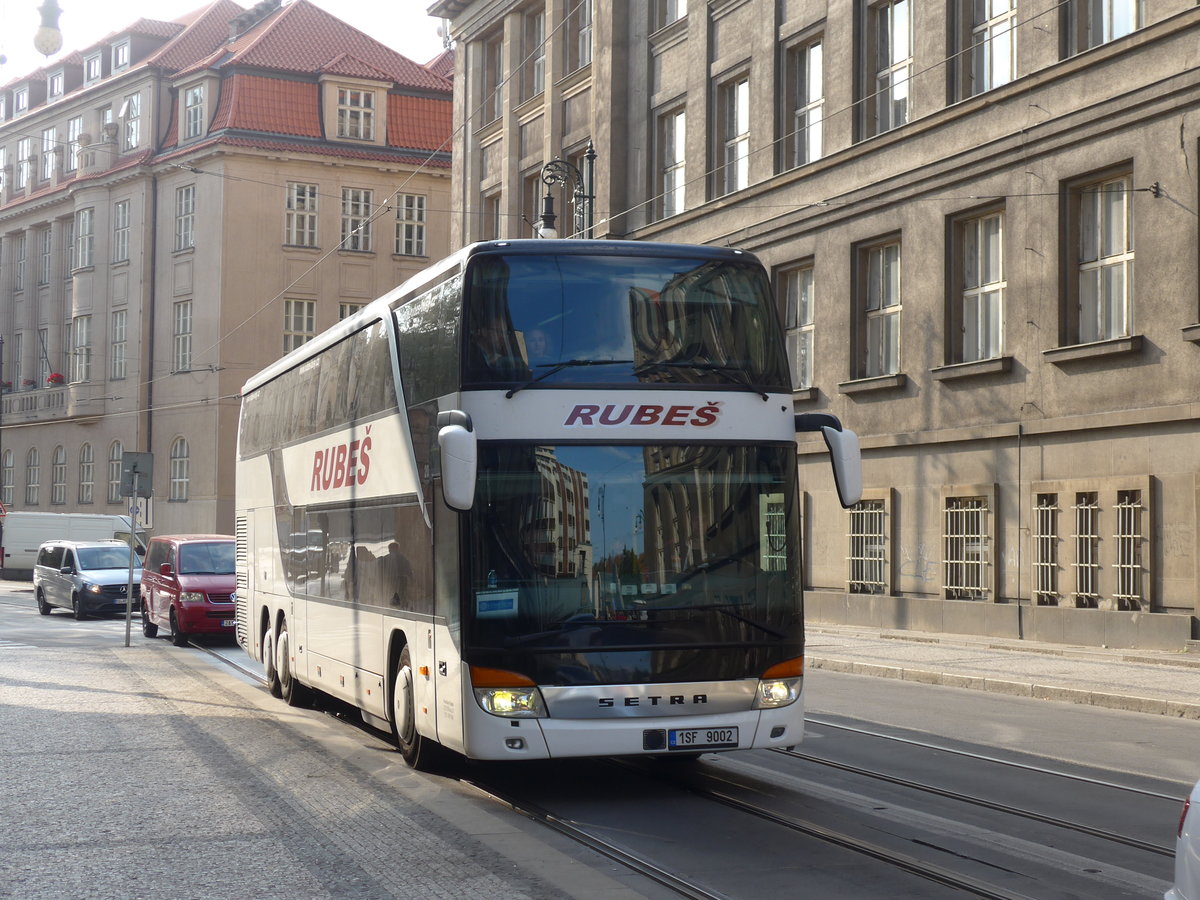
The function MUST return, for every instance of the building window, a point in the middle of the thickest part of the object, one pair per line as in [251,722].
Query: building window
[579,35]
[45,245]
[49,144]
[6,479]
[54,85]
[1045,550]
[120,55]
[356,114]
[18,342]
[300,219]
[493,78]
[345,310]
[20,101]
[180,465]
[490,226]
[185,217]
[299,323]
[43,353]
[85,238]
[672,143]
[116,347]
[888,57]
[193,111]
[878,328]
[977,311]
[19,262]
[58,476]
[1103,215]
[87,473]
[24,162]
[733,110]
[534,67]
[988,40]
[93,68]
[667,11]
[74,130]
[131,112]
[68,248]
[115,453]
[1087,549]
[798,321]
[1129,544]
[3,167]
[967,548]
[868,545]
[181,355]
[81,349]
[121,231]
[1091,23]
[33,477]
[805,99]
[356,219]
[410,225]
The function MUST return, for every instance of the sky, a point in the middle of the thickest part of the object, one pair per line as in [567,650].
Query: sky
[401,24]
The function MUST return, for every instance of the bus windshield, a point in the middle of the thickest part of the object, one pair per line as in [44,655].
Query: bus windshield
[594,564]
[548,319]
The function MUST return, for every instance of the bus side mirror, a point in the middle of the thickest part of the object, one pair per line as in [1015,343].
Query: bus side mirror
[459,451]
[844,454]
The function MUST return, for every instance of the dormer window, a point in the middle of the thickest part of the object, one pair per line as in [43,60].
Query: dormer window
[3,108]
[54,85]
[120,55]
[92,68]
[356,114]
[20,101]
[193,111]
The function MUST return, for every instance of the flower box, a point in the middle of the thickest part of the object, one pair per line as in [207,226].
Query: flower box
[55,379]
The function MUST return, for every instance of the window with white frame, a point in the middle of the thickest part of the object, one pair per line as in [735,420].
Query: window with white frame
[54,85]
[888,56]
[58,476]
[346,310]
[880,305]
[85,238]
[1128,570]
[49,145]
[44,352]
[356,219]
[120,226]
[805,99]
[19,262]
[579,35]
[33,477]
[3,108]
[93,68]
[868,548]
[185,217]
[180,470]
[299,323]
[74,130]
[3,168]
[116,344]
[1104,218]
[988,38]
[193,111]
[798,287]
[68,247]
[492,220]
[87,474]
[534,66]
[6,478]
[664,12]
[672,143]
[131,113]
[81,349]
[1091,23]
[300,216]
[120,55]
[410,225]
[45,242]
[1087,549]
[493,78]
[1045,549]
[733,104]
[967,550]
[356,114]
[115,453]
[979,316]
[24,162]
[17,346]
[181,356]
[20,101]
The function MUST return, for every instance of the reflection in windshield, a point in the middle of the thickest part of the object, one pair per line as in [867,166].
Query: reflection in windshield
[105,558]
[208,558]
[656,548]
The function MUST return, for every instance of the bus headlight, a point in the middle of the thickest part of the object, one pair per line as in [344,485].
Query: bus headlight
[507,694]
[779,692]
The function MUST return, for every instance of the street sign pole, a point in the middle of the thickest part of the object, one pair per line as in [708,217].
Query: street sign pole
[133,520]
[134,468]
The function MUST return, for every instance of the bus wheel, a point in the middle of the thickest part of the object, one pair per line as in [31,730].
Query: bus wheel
[418,751]
[268,660]
[149,629]
[178,637]
[292,691]
[77,608]
[43,607]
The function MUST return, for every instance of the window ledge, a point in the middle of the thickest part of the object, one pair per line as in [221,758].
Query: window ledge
[1095,350]
[1192,333]
[999,365]
[878,383]
[804,395]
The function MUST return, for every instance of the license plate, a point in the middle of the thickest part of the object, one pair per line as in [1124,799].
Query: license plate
[702,738]
[229,623]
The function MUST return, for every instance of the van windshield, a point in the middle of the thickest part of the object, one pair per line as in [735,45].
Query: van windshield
[209,558]
[105,558]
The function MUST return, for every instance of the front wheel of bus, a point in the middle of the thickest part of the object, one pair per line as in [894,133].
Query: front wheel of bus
[292,691]
[418,751]
[268,661]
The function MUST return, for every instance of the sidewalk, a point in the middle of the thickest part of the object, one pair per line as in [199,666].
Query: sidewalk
[1159,682]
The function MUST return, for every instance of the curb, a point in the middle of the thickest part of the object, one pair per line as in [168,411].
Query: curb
[1153,706]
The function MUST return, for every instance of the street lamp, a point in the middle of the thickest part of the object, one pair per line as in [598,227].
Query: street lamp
[561,172]
[48,39]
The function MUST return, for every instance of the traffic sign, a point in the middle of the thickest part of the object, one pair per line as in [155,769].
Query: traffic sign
[137,469]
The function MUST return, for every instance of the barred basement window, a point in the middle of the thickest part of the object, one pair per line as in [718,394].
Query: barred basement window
[1129,593]
[867,558]
[1045,550]
[966,548]
[1087,550]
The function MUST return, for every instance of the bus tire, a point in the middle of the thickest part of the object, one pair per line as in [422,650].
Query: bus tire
[291,690]
[178,637]
[149,629]
[43,607]
[268,661]
[418,751]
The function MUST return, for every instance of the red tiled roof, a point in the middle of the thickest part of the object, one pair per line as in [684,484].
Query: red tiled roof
[206,30]
[422,123]
[442,64]
[259,103]
[148,28]
[354,68]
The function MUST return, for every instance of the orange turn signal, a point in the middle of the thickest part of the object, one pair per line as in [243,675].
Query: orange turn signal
[789,668]
[482,677]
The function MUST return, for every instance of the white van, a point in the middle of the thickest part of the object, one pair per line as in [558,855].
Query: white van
[21,533]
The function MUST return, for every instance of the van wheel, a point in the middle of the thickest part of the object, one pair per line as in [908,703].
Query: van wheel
[178,637]
[149,629]
[77,608]
[292,691]
[268,660]
[418,751]
[43,607]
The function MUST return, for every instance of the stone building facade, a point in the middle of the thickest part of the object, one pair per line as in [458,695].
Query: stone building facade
[946,196]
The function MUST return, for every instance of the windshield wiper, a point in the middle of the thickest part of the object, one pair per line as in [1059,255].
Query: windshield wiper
[735,374]
[551,368]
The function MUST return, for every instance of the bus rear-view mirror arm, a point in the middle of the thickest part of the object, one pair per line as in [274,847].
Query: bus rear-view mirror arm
[844,454]
[457,440]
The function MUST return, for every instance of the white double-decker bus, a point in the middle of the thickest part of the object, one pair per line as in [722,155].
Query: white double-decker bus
[538,501]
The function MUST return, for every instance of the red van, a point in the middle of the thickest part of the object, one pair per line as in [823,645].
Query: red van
[187,586]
